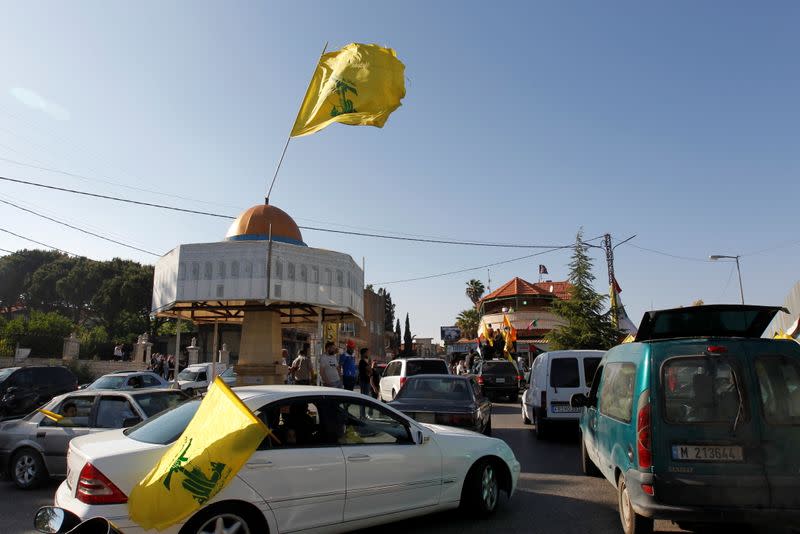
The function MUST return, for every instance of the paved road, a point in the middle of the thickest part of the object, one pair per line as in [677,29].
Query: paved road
[552,496]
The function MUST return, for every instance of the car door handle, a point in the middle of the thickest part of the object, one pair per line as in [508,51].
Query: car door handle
[41,434]
[359,458]
[258,464]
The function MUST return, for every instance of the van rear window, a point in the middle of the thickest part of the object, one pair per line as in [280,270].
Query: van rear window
[499,368]
[425,367]
[564,373]
[779,381]
[699,390]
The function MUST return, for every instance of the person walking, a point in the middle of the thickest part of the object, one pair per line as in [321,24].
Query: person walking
[364,372]
[329,367]
[301,369]
[347,362]
[374,379]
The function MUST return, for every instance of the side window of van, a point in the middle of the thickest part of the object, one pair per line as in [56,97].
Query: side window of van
[779,381]
[616,397]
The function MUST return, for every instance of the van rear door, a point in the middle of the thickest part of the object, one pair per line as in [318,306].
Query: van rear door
[777,370]
[706,438]
[563,381]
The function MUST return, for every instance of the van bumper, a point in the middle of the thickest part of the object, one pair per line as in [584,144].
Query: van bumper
[648,506]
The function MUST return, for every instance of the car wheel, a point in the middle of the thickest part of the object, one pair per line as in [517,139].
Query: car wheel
[587,465]
[525,419]
[632,523]
[481,491]
[394,394]
[541,428]
[225,517]
[27,469]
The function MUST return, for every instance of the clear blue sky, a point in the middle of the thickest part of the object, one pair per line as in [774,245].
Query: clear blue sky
[677,122]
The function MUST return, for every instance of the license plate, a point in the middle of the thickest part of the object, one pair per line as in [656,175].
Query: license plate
[426,417]
[707,453]
[500,380]
[564,409]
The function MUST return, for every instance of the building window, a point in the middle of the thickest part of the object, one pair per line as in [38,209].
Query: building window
[208,271]
[315,275]
[339,279]
[221,269]
[220,290]
[328,277]
[195,271]
[277,291]
[182,271]
[303,273]
[279,269]
[235,269]
[290,271]
[248,269]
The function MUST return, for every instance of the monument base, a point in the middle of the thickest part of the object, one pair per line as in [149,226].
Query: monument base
[251,374]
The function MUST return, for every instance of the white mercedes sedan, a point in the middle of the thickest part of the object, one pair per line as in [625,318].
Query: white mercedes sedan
[344,462]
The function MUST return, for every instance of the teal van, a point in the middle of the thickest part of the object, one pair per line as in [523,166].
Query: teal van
[697,420]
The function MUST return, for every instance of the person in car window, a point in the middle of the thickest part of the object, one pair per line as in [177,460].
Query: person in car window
[69,411]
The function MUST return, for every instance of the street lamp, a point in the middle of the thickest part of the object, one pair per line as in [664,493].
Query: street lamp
[716,257]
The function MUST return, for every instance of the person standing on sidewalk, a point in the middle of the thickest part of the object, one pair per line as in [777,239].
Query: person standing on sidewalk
[301,369]
[329,367]
[347,362]
[364,372]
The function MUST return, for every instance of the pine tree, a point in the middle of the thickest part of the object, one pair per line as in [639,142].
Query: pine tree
[408,349]
[398,335]
[588,325]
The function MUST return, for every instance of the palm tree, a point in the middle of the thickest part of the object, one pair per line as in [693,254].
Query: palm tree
[468,321]
[474,291]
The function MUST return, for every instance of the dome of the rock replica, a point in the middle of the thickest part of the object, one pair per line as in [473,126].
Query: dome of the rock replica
[254,225]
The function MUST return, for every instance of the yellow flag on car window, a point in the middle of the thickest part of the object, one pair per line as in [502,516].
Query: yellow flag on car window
[215,445]
[359,85]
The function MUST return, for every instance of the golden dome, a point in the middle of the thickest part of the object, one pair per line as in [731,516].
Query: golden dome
[254,224]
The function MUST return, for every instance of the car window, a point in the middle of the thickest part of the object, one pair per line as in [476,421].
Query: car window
[201,376]
[150,381]
[434,388]
[564,373]
[699,390]
[112,412]
[166,427]
[365,423]
[598,375]
[229,373]
[616,394]
[393,369]
[5,373]
[303,422]
[109,382]
[158,401]
[76,411]
[779,382]
[425,367]
[189,375]
[22,378]
[498,368]
[589,369]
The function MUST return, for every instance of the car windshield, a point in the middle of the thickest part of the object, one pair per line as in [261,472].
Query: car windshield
[435,388]
[189,375]
[165,427]
[424,367]
[499,368]
[158,401]
[5,373]
[699,390]
[109,382]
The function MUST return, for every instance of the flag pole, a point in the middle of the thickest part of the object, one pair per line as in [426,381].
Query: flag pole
[289,138]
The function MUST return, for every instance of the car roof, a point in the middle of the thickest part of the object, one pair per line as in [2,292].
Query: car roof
[416,359]
[252,393]
[129,373]
[572,353]
[440,376]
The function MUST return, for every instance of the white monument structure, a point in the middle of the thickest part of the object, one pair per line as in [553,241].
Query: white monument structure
[264,277]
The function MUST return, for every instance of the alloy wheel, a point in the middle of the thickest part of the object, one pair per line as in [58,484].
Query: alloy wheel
[25,469]
[625,509]
[489,488]
[224,524]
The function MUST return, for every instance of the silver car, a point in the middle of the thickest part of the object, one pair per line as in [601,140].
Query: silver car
[129,380]
[35,447]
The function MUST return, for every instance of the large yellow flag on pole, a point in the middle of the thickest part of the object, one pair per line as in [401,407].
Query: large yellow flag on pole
[215,445]
[360,85]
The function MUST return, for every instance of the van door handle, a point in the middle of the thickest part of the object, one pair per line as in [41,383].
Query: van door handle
[258,464]
[359,458]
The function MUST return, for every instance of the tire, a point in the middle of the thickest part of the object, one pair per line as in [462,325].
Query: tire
[27,469]
[229,513]
[488,430]
[481,492]
[394,394]
[632,523]
[587,465]
[541,428]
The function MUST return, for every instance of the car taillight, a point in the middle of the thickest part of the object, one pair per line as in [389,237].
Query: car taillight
[479,378]
[95,488]
[644,440]
[402,382]
[519,378]
[717,349]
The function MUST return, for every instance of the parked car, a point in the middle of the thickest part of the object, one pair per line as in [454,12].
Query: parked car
[354,463]
[395,374]
[129,380]
[229,376]
[196,377]
[445,400]
[698,420]
[553,379]
[35,447]
[23,389]
[498,378]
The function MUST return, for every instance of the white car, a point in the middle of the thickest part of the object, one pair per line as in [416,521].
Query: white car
[395,374]
[196,377]
[129,380]
[346,462]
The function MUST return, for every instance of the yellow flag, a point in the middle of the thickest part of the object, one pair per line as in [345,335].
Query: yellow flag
[358,85]
[51,415]
[215,445]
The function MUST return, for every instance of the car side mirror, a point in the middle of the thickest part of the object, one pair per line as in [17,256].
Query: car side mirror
[54,520]
[579,400]
[130,421]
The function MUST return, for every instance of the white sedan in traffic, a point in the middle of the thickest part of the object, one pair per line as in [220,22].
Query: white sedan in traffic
[344,462]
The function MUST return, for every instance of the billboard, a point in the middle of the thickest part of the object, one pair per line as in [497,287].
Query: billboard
[450,334]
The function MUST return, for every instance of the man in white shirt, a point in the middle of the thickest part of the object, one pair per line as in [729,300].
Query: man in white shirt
[329,367]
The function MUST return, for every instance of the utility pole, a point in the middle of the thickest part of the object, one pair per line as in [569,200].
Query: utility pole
[610,262]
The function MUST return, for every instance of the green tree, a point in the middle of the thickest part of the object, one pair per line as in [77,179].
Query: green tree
[388,311]
[474,291]
[41,332]
[398,336]
[468,321]
[15,274]
[408,340]
[588,326]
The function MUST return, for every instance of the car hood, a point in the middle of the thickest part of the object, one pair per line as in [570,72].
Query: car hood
[451,431]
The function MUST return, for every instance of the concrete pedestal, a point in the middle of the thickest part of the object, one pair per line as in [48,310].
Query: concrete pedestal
[260,350]
[72,347]
[194,354]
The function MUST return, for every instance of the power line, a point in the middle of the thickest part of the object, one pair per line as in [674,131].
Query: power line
[37,242]
[312,228]
[6,250]
[79,229]
[667,254]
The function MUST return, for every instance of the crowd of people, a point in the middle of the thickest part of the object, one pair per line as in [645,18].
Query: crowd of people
[163,365]
[338,370]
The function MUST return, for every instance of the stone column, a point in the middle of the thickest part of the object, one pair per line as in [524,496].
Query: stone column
[193,351]
[72,346]
[260,350]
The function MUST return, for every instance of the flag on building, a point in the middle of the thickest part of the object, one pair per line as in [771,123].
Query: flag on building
[360,85]
[542,269]
[509,328]
[533,324]
[483,333]
[215,445]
